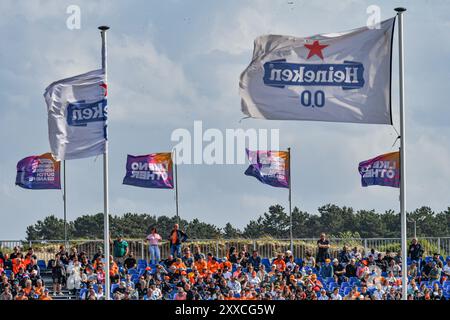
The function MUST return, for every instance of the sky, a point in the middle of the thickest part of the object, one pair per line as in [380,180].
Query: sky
[173,62]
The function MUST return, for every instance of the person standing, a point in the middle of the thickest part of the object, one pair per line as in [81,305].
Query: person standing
[415,251]
[323,246]
[153,240]
[176,238]
[120,249]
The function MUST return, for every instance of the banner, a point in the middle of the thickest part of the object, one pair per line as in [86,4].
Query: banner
[39,172]
[77,116]
[150,171]
[337,77]
[269,167]
[383,170]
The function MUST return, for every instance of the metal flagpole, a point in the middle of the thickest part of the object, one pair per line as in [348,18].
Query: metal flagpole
[402,155]
[103,30]
[65,204]
[176,183]
[290,203]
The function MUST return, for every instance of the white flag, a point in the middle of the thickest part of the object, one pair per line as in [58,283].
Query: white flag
[77,116]
[338,77]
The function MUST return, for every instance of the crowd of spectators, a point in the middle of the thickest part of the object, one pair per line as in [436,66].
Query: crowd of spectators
[241,275]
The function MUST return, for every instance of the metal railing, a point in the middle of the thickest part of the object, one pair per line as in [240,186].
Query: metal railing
[267,247]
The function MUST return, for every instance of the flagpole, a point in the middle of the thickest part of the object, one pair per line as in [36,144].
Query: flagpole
[103,30]
[290,203]
[65,203]
[402,155]
[176,184]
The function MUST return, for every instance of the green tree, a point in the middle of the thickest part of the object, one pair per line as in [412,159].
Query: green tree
[201,230]
[51,228]
[300,227]
[230,232]
[369,224]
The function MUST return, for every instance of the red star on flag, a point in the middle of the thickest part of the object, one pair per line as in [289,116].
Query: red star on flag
[105,86]
[315,49]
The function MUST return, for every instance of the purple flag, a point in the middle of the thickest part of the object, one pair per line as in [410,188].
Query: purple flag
[383,170]
[38,172]
[269,167]
[150,171]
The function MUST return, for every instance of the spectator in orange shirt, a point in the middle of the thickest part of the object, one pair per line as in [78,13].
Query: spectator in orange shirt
[20,296]
[226,263]
[28,290]
[201,264]
[212,264]
[39,288]
[179,265]
[113,270]
[17,263]
[45,296]
[279,263]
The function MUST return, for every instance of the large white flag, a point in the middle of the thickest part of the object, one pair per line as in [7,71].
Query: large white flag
[77,115]
[339,77]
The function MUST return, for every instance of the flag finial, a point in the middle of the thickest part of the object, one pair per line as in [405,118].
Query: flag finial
[400,9]
[103,28]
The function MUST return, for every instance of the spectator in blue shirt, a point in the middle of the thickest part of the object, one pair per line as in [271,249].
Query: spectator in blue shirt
[326,269]
[255,260]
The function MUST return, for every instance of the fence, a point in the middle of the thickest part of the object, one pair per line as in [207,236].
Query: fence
[267,247]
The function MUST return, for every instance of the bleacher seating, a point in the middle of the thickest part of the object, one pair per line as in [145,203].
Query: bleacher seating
[42,265]
[266,263]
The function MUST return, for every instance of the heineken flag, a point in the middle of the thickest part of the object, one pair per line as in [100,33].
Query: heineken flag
[150,171]
[38,172]
[383,170]
[269,167]
[338,77]
[77,116]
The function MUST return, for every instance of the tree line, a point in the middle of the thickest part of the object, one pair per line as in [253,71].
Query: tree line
[332,219]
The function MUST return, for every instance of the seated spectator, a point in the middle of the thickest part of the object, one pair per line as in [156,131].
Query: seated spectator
[335,295]
[243,258]
[362,269]
[255,260]
[338,271]
[178,265]
[254,279]
[187,258]
[180,295]
[350,269]
[233,256]
[426,270]
[309,260]
[435,272]
[413,272]
[279,263]
[446,268]
[290,262]
[130,262]
[314,282]
[201,264]
[225,263]
[234,285]
[169,261]
[113,271]
[355,254]
[45,296]
[381,263]
[326,270]
[100,272]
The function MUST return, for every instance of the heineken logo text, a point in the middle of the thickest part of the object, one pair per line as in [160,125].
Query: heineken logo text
[83,113]
[348,75]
